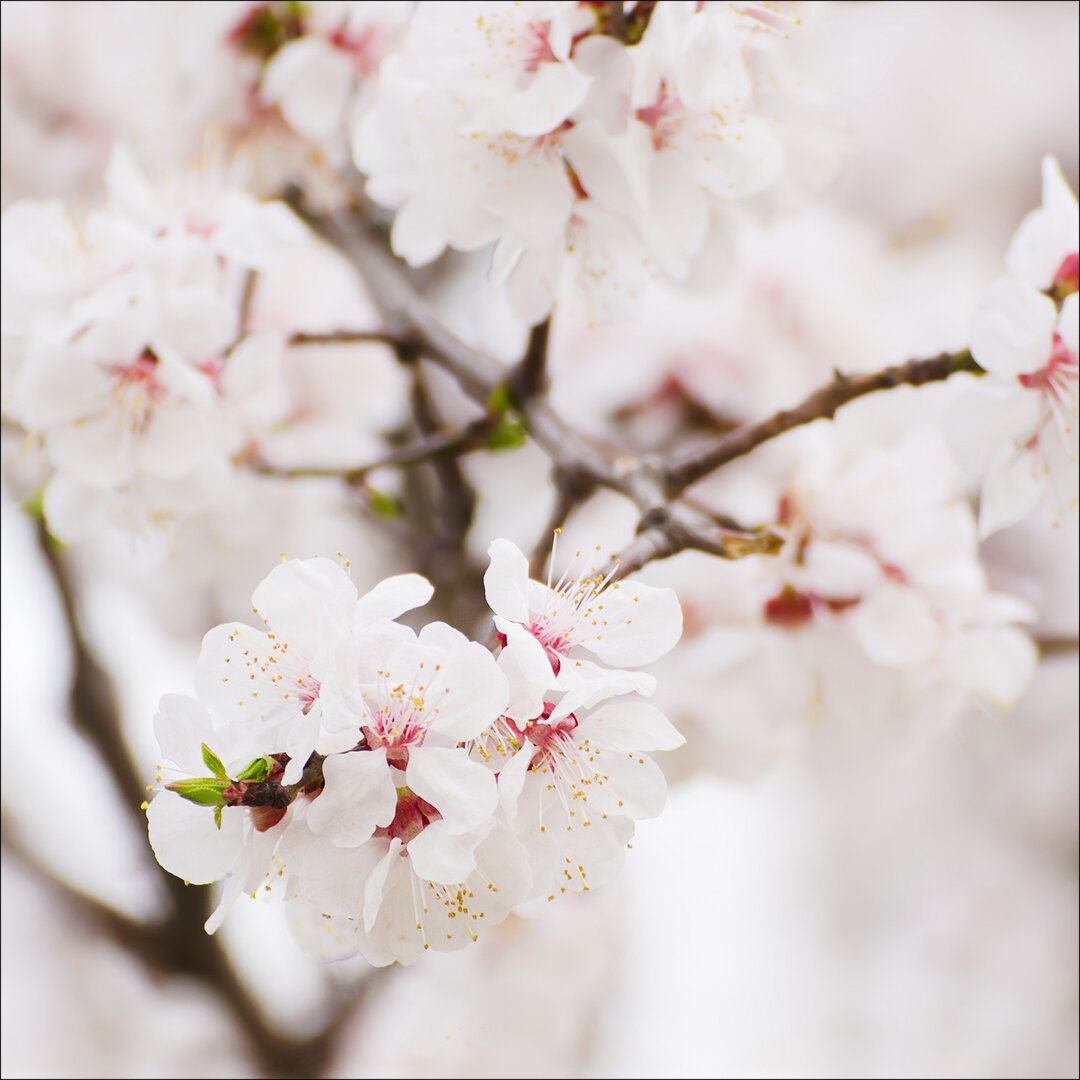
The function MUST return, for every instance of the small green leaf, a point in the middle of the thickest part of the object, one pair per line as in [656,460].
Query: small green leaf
[201,790]
[34,504]
[508,434]
[258,770]
[500,401]
[383,505]
[213,763]
[217,816]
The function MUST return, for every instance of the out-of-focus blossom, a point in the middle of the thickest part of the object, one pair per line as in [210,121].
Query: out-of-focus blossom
[1019,428]
[524,127]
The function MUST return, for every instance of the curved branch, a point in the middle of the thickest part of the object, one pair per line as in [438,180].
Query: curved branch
[688,468]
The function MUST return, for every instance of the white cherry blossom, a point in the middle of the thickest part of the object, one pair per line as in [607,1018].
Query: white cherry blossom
[234,842]
[274,676]
[1018,428]
[622,622]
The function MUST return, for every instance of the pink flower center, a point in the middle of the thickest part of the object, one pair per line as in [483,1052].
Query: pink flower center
[545,736]
[661,116]
[308,692]
[791,608]
[1067,278]
[1055,378]
[555,644]
[538,46]
[362,46]
[137,386]
[395,735]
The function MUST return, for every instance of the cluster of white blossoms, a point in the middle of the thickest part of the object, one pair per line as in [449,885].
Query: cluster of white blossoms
[314,64]
[123,353]
[875,622]
[1018,428]
[533,129]
[404,790]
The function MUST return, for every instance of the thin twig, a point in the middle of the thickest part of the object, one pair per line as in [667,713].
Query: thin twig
[653,482]
[437,444]
[344,337]
[687,468]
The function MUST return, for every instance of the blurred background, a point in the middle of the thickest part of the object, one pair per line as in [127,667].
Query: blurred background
[891,903]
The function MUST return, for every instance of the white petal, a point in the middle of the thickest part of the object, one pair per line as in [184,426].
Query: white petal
[391,598]
[634,786]
[188,843]
[309,80]
[512,779]
[632,725]
[527,669]
[896,626]
[302,739]
[1011,490]
[1012,329]
[234,675]
[57,385]
[996,665]
[177,440]
[375,886]
[257,234]
[462,790]
[630,624]
[468,694]
[182,725]
[1047,235]
[333,878]
[552,94]
[506,581]
[306,601]
[585,684]
[438,854]
[984,420]
[359,796]
[96,451]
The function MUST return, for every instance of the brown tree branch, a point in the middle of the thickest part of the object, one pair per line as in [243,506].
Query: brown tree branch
[438,444]
[579,464]
[655,483]
[685,469]
[345,337]
[530,378]
[177,945]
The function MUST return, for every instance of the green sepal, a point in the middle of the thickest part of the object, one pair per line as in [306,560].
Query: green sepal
[500,400]
[34,504]
[507,434]
[258,770]
[213,763]
[383,505]
[217,816]
[201,790]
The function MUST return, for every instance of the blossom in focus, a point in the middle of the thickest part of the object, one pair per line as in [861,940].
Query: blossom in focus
[624,623]
[273,677]
[236,841]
